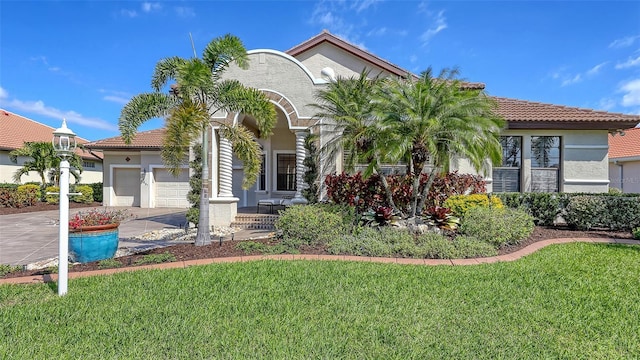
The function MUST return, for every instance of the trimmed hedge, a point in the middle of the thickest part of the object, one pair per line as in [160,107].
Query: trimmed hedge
[579,210]
[498,227]
[460,204]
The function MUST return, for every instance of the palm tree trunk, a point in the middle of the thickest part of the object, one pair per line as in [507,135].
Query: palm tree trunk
[387,189]
[427,187]
[203,237]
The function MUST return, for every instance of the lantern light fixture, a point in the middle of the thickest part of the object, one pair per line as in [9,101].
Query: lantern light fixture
[64,141]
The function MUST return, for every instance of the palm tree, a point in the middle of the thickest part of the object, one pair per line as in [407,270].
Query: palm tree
[432,120]
[44,161]
[198,92]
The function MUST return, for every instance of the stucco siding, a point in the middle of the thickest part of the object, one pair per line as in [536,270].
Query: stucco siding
[343,63]
[278,73]
[625,175]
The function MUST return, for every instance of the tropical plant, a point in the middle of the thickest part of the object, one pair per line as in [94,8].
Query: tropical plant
[432,120]
[44,161]
[96,217]
[198,92]
[424,122]
[311,175]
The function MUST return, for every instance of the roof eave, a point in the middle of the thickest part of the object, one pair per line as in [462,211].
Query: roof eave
[571,125]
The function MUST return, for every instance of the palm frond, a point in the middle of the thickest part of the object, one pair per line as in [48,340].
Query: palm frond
[141,108]
[232,96]
[165,70]
[223,50]
[246,149]
[183,126]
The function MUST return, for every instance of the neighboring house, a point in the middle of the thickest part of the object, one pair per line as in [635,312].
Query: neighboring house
[624,160]
[547,147]
[15,130]
[134,174]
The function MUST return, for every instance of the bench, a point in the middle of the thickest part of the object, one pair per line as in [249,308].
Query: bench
[285,201]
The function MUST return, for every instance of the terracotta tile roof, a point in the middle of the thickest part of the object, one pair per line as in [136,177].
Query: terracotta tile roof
[625,146]
[15,130]
[521,111]
[151,139]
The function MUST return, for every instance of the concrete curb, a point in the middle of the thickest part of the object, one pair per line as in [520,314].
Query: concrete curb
[47,278]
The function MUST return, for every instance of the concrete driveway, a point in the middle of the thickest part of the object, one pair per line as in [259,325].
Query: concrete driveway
[30,237]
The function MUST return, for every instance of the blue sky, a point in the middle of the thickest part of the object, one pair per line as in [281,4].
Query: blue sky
[84,60]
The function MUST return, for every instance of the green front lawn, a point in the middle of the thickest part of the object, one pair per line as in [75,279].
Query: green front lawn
[566,301]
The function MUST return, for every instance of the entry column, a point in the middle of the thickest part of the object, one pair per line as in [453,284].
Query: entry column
[301,154]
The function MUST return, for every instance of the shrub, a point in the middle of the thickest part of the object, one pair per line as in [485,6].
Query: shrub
[87,194]
[156,258]
[308,224]
[28,194]
[97,191]
[436,246]
[544,207]
[52,195]
[369,194]
[636,233]
[498,227]
[470,247]
[7,197]
[109,264]
[460,204]
[614,212]
[584,212]
[8,269]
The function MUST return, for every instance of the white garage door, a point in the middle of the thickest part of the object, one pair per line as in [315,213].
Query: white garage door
[171,191]
[126,186]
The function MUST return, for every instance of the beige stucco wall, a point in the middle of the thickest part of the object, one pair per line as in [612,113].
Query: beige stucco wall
[344,64]
[624,174]
[146,161]
[583,155]
[8,168]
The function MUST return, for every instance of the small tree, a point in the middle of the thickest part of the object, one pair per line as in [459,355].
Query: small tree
[311,176]
[195,184]
[44,161]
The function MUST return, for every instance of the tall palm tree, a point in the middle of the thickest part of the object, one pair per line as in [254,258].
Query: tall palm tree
[433,120]
[198,92]
[44,161]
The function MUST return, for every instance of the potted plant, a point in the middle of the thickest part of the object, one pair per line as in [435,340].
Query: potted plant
[93,234]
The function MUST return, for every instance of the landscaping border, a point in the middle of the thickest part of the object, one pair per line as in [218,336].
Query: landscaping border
[48,278]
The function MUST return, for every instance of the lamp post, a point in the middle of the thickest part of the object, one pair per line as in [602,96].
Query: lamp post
[64,143]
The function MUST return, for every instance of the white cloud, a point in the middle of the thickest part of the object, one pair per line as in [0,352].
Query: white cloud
[607,104]
[632,93]
[3,93]
[439,24]
[624,42]
[377,32]
[149,7]
[629,63]
[128,13]
[185,12]
[363,4]
[38,107]
[596,69]
[116,99]
[571,80]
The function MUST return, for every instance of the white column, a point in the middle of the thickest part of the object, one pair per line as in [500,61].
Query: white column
[63,243]
[214,164]
[226,170]
[301,154]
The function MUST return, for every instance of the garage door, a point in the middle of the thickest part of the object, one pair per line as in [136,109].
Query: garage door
[171,191]
[126,186]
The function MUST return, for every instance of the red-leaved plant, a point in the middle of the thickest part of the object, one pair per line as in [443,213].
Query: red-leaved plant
[95,217]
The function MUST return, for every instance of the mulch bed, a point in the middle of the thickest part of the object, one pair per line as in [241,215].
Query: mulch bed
[188,251]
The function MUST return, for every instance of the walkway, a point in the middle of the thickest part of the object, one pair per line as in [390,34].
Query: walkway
[455,262]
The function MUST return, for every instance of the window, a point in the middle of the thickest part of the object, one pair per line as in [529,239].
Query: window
[88,164]
[545,163]
[506,177]
[286,173]
[262,178]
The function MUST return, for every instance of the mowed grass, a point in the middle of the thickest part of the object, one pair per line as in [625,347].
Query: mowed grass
[573,301]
